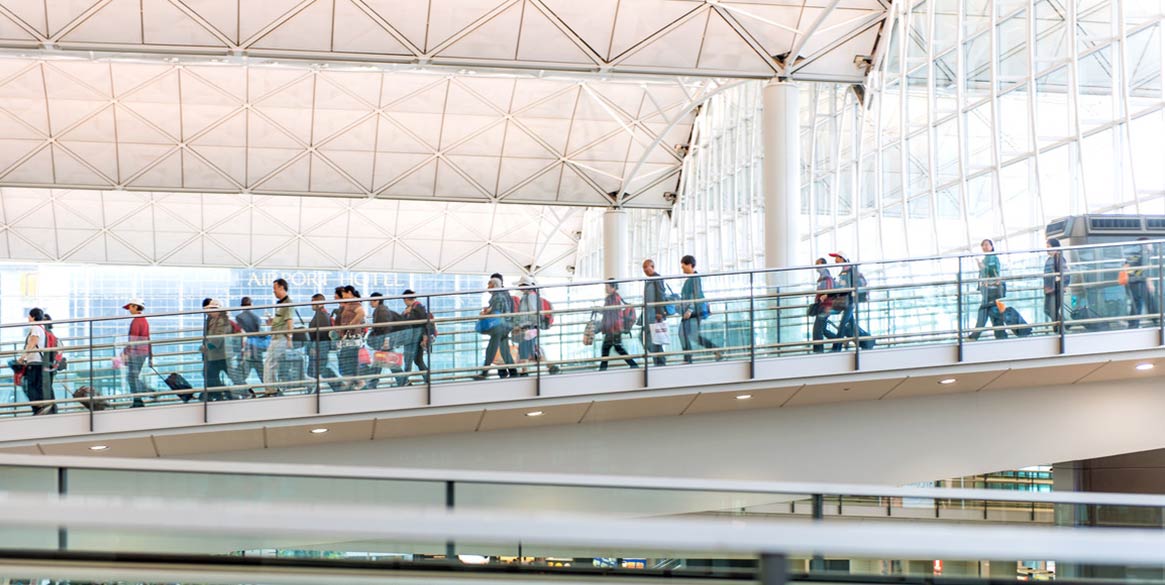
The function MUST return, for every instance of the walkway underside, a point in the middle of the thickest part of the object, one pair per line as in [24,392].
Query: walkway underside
[893,422]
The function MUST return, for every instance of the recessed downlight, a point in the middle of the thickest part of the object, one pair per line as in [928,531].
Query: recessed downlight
[98,447]
[319,431]
[743,396]
[946,381]
[535,413]
[1145,367]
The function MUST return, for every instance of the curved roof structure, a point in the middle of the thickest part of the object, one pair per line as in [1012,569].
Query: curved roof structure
[344,104]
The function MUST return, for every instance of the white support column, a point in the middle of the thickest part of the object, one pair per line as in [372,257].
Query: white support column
[782,173]
[615,248]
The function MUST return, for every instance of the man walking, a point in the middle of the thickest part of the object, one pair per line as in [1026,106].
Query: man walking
[280,335]
[254,346]
[138,351]
[653,292]
[1056,279]
[693,310]
[415,337]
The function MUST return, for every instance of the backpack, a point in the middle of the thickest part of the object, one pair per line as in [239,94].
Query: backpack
[547,317]
[626,318]
[59,364]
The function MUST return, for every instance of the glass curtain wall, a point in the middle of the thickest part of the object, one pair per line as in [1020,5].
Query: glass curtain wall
[981,119]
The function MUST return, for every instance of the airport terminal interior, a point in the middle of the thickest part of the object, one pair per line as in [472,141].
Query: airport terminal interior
[616,291]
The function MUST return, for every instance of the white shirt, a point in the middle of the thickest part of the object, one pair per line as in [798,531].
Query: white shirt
[39,332]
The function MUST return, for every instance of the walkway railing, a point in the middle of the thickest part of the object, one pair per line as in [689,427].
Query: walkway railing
[744,317]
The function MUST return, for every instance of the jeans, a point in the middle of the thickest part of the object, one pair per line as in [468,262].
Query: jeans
[1142,302]
[690,337]
[215,370]
[275,352]
[614,341]
[252,360]
[317,356]
[133,377]
[819,334]
[845,325]
[412,354]
[35,388]
[499,342]
[987,309]
[1053,307]
[349,362]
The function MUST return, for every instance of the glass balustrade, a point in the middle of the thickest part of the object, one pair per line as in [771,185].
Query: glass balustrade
[587,327]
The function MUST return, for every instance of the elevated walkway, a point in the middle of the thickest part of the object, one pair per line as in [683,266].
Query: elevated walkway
[923,384]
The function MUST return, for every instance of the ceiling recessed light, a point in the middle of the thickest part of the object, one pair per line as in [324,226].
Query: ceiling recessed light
[319,431]
[945,381]
[98,447]
[743,396]
[1144,367]
[534,413]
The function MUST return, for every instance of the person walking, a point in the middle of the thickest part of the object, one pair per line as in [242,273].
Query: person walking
[845,303]
[214,350]
[352,318]
[254,346]
[822,304]
[613,326]
[415,337]
[281,326]
[500,305]
[991,289]
[693,310]
[138,352]
[1137,285]
[654,291]
[381,336]
[527,322]
[1056,280]
[318,335]
[32,358]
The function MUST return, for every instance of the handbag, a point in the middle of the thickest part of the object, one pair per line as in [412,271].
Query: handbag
[350,342]
[485,325]
[1122,278]
[660,335]
[364,357]
[389,359]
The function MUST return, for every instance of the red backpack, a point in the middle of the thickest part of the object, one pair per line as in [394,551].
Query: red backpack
[59,362]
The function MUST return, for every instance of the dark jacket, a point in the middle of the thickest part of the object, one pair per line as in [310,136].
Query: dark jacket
[381,328]
[1135,264]
[500,304]
[612,322]
[320,321]
[1056,263]
[690,295]
[654,291]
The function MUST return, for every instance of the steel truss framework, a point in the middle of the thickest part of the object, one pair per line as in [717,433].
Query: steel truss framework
[982,119]
[180,229]
[737,39]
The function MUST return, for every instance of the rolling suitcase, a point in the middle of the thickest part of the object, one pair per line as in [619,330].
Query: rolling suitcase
[1016,322]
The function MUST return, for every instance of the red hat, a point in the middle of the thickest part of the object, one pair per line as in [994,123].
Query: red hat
[839,255]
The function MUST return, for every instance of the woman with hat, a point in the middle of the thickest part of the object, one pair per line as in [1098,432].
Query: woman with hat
[138,351]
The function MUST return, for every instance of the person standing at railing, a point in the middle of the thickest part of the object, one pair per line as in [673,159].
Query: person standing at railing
[254,346]
[614,324]
[1056,281]
[415,337]
[214,350]
[1137,284]
[500,305]
[991,289]
[654,291]
[693,310]
[32,359]
[352,318]
[280,325]
[822,303]
[138,352]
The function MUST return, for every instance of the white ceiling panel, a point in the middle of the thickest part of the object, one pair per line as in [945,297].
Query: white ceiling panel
[371,134]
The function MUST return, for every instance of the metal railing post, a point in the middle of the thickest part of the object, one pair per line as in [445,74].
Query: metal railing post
[1161,294]
[959,309]
[774,569]
[62,491]
[751,326]
[856,318]
[537,344]
[92,385]
[315,343]
[429,350]
[645,335]
[450,501]
[1059,292]
[205,393]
